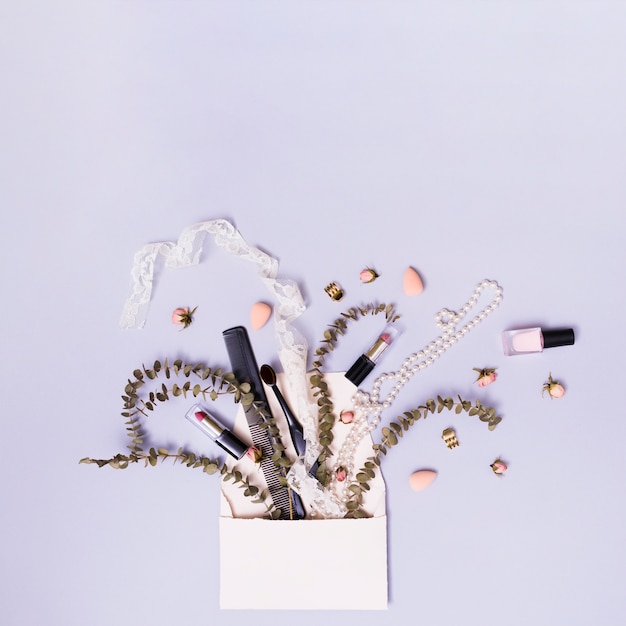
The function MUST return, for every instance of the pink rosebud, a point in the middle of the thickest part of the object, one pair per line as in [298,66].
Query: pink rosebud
[347,417]
[499,467]
[483,381]
[485,376]
[183,316]
[341,474]
[254,454]
[554,388]
[368,275]
[557,391]
[178,314]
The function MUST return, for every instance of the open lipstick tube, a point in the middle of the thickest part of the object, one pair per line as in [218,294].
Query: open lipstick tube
[366,362]
[212,427]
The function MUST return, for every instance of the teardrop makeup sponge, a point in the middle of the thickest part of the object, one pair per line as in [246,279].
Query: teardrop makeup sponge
[421,479]
[412,282]
[259,314]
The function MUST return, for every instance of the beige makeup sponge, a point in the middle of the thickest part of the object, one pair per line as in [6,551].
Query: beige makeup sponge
[412,283]
[421,479]
[259,314]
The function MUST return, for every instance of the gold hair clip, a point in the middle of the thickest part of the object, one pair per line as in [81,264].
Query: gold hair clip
[449,436]
[334,291]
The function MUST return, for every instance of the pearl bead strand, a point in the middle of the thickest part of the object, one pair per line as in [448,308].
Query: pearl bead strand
[368,408]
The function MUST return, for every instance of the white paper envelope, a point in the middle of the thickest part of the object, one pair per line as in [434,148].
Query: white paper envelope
[303,564]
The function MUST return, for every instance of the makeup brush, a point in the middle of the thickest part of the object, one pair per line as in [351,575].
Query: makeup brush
[268,375]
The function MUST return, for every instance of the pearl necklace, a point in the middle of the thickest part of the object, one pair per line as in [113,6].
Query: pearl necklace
[370,405]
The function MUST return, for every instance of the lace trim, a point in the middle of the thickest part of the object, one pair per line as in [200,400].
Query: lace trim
[292,347]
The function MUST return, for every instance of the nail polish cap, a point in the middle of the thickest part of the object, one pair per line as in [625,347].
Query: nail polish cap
[558,337]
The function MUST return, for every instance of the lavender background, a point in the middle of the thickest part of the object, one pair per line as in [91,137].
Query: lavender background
[467,139]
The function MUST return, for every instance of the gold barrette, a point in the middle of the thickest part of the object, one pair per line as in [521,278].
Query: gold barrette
[334,291]
[449,436]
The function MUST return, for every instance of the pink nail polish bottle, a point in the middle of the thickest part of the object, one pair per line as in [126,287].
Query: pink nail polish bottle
[533,340]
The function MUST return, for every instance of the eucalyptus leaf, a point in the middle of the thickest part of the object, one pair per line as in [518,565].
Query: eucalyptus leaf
[397,428]
[247,399]
[392,439]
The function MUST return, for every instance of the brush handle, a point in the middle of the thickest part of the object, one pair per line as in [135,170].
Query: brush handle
[295,429]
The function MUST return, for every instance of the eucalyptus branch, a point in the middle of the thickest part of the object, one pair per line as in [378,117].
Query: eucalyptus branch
[392,434]
[214,383]
[189,459]
[326,414]
[217,382]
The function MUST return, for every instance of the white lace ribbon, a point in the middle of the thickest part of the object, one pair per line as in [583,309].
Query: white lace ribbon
[292,347]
